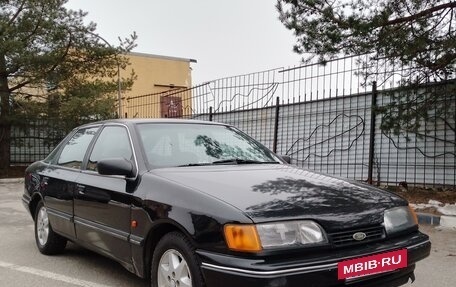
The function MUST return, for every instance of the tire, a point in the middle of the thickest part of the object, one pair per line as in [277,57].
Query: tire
[47,241]
[175,247]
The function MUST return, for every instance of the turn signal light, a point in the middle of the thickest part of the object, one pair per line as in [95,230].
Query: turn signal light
[242,238]
[415,217]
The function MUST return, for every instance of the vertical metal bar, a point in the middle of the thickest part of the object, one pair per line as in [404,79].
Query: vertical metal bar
[329,112]
[405,165]
[210,114]
[338,107]
[372,133]
[435,138]
[348,164]
[119,85]
[276,125]
[445,104]
[269,110]
[300,116]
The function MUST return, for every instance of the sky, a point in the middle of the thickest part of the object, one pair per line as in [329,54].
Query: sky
[227,38]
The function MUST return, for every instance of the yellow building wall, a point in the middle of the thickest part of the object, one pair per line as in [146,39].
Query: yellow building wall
[156,76]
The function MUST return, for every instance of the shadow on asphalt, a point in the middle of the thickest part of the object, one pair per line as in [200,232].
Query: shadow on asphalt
[101,264]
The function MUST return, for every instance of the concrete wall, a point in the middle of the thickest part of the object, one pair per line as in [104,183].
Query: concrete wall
[332,136]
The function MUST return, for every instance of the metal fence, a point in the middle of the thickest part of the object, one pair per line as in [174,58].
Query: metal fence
[34,140]
[322,116]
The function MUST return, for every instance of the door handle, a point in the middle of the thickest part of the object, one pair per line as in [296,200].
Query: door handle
[80,188]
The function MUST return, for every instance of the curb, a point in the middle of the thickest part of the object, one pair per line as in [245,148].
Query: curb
[11,180]
[445,221]
[429,219]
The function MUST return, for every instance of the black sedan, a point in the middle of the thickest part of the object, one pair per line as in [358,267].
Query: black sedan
[192,203]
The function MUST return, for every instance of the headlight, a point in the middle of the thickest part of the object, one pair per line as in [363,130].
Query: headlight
[253,238]
[398,219]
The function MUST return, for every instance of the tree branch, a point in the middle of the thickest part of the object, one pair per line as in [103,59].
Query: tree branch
[28,95]
[451,20]
[19,10]
[37,26]
[426,12]
[23,84]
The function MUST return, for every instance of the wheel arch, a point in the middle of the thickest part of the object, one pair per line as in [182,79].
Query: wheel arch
[36,197]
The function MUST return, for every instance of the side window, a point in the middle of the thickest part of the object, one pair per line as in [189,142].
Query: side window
[52,157]
[113,142]
[73,153]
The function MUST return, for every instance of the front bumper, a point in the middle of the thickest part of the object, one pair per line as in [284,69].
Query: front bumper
[225,270]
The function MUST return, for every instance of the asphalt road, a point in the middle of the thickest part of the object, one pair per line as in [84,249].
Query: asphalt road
[22,265]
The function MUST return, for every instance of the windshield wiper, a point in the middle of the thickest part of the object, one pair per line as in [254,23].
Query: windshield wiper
[242,161]
[230,161]
[196,164]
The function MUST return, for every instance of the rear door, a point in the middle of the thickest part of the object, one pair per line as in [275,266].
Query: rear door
[58,180]
[101,203]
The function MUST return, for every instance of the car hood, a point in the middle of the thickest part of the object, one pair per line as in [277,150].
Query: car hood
[280,192]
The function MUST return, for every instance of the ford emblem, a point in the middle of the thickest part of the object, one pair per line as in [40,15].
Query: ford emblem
[358,236]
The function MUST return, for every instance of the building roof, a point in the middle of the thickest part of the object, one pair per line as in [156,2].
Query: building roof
[162,57]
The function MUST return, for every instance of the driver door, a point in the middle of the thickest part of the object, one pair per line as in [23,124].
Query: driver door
[102,206]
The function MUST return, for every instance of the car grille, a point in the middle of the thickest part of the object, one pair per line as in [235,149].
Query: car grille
[345,238]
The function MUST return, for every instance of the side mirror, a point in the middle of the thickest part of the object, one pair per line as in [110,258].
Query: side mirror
[115,166]
[286,158]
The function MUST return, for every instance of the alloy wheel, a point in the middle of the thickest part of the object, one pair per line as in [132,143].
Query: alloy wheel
[173,270]
[42,223]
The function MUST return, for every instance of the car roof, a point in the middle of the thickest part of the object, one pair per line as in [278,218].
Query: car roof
[158,120]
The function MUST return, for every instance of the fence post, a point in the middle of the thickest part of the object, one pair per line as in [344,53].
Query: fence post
[210,114]
[276,125]
[372,133]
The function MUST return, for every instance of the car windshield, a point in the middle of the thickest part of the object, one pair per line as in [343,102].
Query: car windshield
[169,145]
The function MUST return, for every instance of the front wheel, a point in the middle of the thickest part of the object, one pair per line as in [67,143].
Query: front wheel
[174,263]
[47,241]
